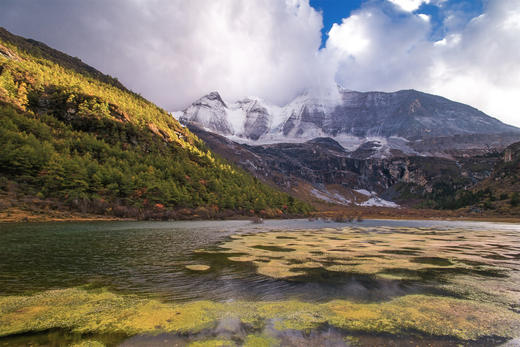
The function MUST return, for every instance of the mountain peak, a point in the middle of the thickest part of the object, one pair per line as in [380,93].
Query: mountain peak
[211,99]
[395,119]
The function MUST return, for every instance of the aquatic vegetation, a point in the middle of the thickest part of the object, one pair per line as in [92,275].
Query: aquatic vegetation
[397,253]
[100,311]
[445,260]
[440,316]
[212,343]
[273,248]
[294,315]
[260,341]
[476,292]
[501,291]
[88,343]
[198,267]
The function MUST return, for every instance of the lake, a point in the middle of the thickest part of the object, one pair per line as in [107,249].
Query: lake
[283,282]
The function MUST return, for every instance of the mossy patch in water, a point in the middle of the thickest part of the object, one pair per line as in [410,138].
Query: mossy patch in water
[98,312]
[430,315]
[88,343]
[499,291]
[399,251]
[212,343]
[260,341]
[430,255]
[273,248]
[495,256]
[198,267]
[432,260]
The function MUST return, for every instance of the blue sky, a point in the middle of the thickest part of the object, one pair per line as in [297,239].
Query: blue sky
[334,11]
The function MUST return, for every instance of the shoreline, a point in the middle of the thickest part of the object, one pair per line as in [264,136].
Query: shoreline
[16,216]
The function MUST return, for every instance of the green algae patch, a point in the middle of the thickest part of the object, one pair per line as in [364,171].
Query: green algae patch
[430,315]
[432,256]
[88,343]
[293,315]
[432,260]
[212,343]
[261,341]
[100,311]
[273,248]
[198,267]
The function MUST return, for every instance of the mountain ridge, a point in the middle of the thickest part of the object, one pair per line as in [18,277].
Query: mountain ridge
[321,171]
[75,140]
[44,51]
[399,121]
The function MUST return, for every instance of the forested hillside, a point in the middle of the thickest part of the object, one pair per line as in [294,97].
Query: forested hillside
[72,134]
[503,186]
[497,194]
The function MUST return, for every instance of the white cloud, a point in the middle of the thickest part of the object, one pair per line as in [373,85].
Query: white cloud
[478,63]
[351,37]
[372,52]
[482,63]
[174,51]
[263,48]
[409,5]
[424,17]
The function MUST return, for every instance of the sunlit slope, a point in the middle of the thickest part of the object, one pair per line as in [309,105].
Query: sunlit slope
[71,133]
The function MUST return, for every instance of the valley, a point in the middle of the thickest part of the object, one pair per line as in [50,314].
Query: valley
[441,167]
[229,190]
[77,141]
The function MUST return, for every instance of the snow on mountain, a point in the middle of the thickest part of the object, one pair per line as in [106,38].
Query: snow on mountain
[372,199]
[209,112]
[371,124]
[255,121]
[376,201]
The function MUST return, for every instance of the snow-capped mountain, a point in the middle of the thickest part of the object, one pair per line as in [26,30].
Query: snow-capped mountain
[255,120]
[404,121]
[337,149]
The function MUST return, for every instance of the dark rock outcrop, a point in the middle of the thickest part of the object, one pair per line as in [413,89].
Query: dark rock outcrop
[323,161]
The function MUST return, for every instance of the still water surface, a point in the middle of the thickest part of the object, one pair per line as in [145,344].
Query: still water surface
[150,258]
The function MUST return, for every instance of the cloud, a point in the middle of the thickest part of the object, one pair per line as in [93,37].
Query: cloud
[480,65]
[477,63]
[174,51]
[373,52]
[409,5]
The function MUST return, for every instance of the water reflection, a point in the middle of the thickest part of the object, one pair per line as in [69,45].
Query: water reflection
[481,261]
[150,258]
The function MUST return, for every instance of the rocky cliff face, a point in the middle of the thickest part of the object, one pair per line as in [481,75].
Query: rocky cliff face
[209,112]
[370,125]
[505,178]
[323,169]
[409,114]
[408,147]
